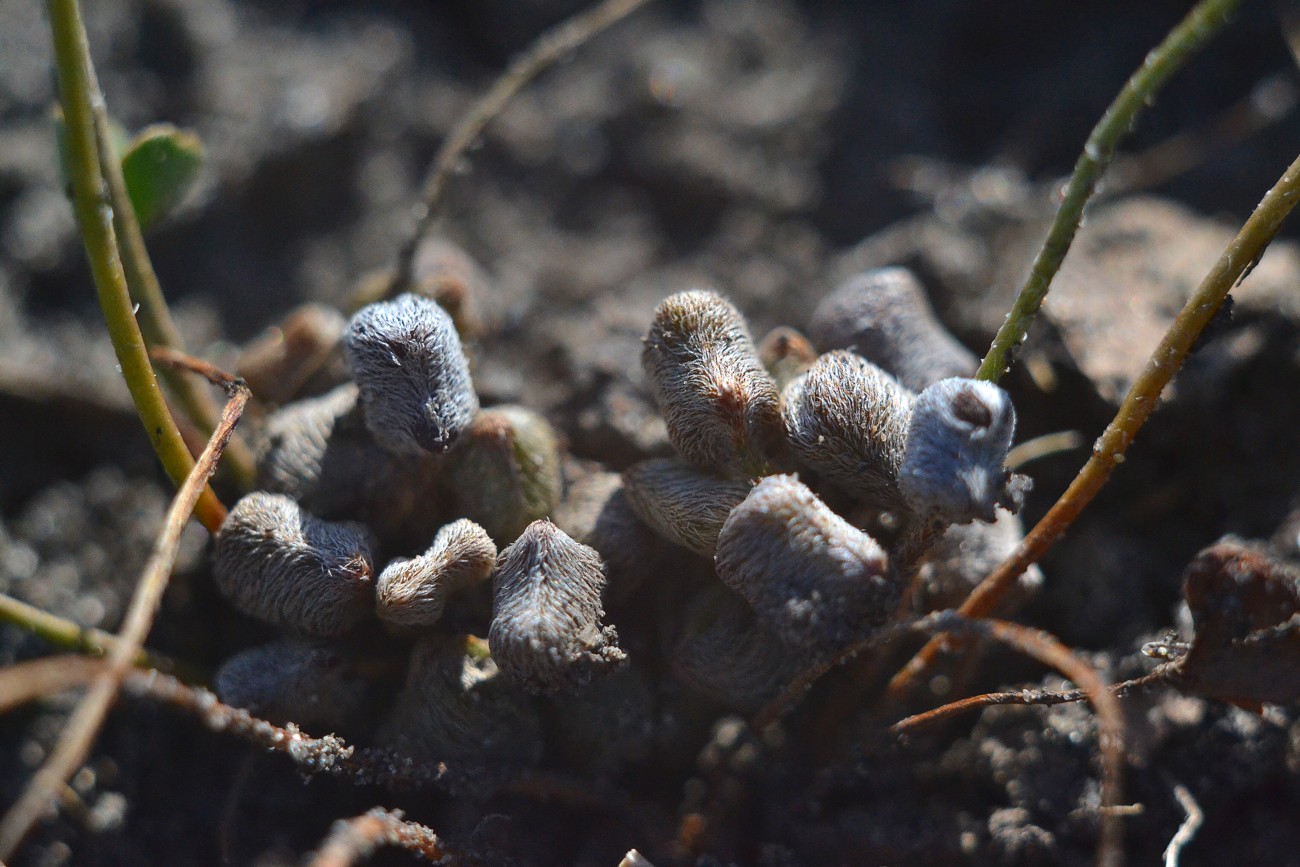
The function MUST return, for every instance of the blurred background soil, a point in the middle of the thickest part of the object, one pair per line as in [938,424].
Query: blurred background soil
[764,148]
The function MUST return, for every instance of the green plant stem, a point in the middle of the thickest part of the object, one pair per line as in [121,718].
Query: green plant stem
[95,220]
[1205,20]
[64,634]
[1108,452]
[154,318]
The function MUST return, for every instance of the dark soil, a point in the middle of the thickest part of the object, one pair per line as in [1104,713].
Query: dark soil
[764,148]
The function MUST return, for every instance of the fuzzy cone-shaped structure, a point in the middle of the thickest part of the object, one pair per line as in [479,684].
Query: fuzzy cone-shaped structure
[847,419]
[546,610]
[406,358]
[505,471]
[596,512]
[731,658]
[957,443]
[319,452]
[413,593]
[719,403]
[457,708]
[280,564]
[607,726]
[310,683]
[815,580]
[884,316]
[682,504]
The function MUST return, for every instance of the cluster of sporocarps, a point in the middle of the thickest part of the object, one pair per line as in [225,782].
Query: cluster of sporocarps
[750,573]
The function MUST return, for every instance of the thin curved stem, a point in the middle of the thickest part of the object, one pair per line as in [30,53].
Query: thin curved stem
[1205,20]
[1241,255]
[1022,697]
[1035,643]
[353,840]
[75,741]
[95,220]
[329,755]
[67,635]
[550,47]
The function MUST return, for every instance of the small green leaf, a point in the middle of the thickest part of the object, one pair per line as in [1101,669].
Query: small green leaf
[160,166]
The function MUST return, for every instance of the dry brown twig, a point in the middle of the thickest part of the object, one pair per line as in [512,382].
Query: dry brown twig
[1022,697]
[1035,643]
[356,839]
[178,360]
[329,755]
[86,720]
[36,679]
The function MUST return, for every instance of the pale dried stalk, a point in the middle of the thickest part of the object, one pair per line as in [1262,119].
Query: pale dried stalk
[36,679]
[86,720]
[1022,697]
[356,839]
[1187,830]
[329,755]
[550,47]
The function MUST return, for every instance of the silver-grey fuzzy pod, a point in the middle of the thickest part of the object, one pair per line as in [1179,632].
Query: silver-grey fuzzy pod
[815,580]
[884,316]
[546,610]
[291,444]
[596,512]
[733,659]
[280,564]
[957,442]
[682,504]
[309,683]
[847,420]
[414,378]
[505,470]
[457,708]
[413,593]
[719,403]
[319,452]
